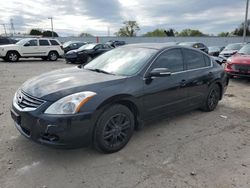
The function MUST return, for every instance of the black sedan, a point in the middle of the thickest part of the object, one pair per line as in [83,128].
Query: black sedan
[72,45]
[103,102]
[86,53]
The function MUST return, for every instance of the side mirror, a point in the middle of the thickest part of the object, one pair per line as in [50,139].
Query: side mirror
[27,44]
[160,72]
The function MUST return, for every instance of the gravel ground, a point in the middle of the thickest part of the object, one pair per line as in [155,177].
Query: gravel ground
[195,149]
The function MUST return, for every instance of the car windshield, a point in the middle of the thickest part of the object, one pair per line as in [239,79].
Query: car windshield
[23,41]
[122,61]
[190,44]
[67,44]
[233,46]
[245,50]
[87,47]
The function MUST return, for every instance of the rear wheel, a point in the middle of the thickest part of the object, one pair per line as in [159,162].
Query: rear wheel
[114,129]
[12,56]
[212,99]
[53,56]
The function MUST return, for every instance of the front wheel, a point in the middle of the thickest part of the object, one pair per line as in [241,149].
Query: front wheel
[53,56]
[12,56]
[114,129]
[212,99]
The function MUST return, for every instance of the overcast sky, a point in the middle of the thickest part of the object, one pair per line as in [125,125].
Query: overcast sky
[72,17]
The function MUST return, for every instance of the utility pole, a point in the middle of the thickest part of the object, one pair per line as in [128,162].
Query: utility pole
[12,26]
[245,24]
[51,22]
[4,29]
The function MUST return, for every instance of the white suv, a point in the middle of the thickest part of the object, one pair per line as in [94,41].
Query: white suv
[47,49]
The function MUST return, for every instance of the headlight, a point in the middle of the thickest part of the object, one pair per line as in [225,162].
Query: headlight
[70,104]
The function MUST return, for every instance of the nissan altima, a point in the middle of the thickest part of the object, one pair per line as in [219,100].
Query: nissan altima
[103,102]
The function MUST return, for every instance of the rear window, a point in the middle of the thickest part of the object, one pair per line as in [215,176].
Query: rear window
[54,42]
[43,42]
[194,59]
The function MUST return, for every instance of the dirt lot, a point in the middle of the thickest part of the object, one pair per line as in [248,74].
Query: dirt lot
[195,149]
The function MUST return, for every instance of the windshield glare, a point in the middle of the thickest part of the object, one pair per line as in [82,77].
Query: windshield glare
[122,61]
[233,47]
[87,47]
[23,41]
[245,50]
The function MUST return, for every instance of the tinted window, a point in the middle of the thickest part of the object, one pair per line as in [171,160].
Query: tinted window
[43,42]
[193,59]
[53,42]
[207,60]
[171,59]
[32,43]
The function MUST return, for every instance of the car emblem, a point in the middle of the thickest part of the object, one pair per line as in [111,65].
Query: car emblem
[19,98]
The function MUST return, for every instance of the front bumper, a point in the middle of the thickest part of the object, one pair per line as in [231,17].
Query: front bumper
[245,74]
[67,131]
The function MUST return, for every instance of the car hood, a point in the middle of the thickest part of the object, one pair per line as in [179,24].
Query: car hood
[9,46]
[241,59]
[59,83]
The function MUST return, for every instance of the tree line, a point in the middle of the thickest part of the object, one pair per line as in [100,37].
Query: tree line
[131,28]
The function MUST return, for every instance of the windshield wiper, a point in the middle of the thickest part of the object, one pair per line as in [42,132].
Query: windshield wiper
[100,71]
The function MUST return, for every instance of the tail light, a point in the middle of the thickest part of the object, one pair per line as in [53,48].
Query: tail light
[61,47]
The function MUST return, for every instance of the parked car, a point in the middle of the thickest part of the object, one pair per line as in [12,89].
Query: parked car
[104,101]
[239,64]
[197,45]
[72,45]
[231,49]
[116,43]
[43,48]
[7,40]
[86,53]
[215,50]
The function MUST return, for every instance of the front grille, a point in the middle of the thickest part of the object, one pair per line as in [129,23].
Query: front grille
[241,67]
[26,101]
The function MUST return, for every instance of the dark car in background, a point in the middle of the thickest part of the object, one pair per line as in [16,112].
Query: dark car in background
[231,49]
[72,45]
[196,45]
[239,64]
[86,53]
[116,43]
[102,102]
[7,40]
[215,50]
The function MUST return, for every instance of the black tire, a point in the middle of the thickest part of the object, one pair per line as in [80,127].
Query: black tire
[53,56]
[12,56]
[212,99]
[114,129]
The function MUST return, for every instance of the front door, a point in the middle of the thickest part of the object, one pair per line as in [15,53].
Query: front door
[30,48]
[168,94]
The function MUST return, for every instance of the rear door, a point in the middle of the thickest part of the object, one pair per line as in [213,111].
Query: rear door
[44,47]
[198,66]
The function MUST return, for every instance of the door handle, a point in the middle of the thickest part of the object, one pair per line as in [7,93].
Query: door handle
[183,83]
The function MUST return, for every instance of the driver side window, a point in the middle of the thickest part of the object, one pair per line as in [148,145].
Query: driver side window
[171,59]
[33,43]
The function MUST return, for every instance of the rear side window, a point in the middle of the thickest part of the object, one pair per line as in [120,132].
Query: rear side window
[193,59]
[43,42]
[207,60]
[54,42]
[171,59]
